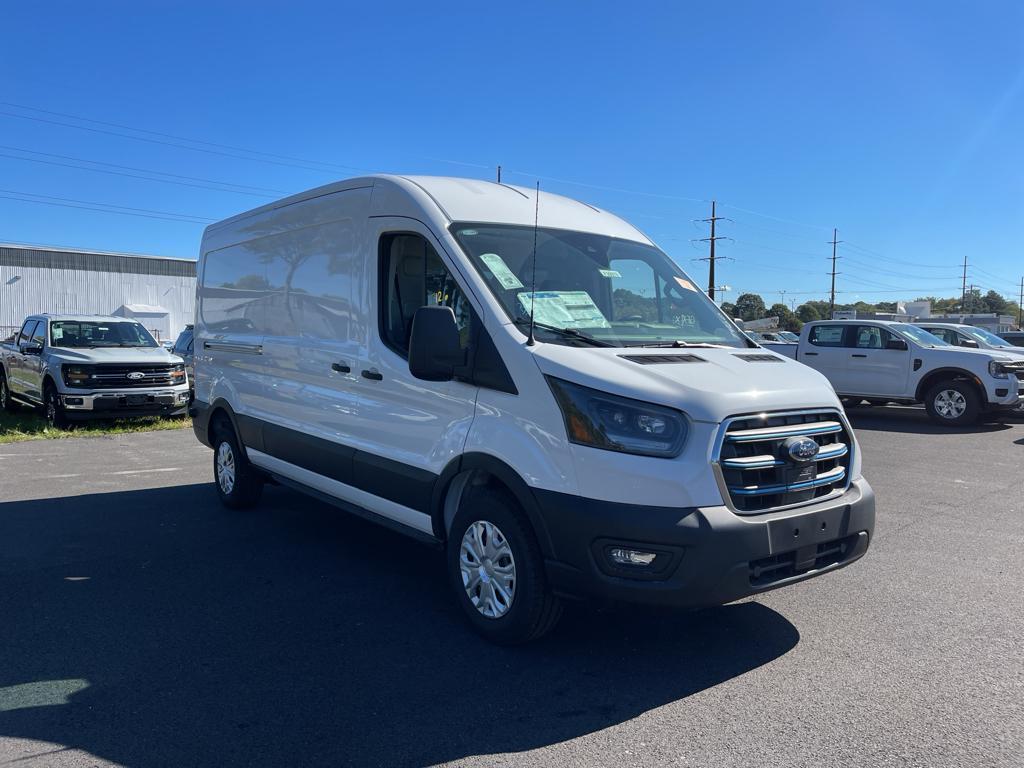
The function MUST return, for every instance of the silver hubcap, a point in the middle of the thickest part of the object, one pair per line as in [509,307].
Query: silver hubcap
[488,569]
[950,404]
[225,468]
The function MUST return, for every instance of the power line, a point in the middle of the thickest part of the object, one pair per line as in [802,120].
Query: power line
[67,202]
[181,146]
[172,136]
[132,175]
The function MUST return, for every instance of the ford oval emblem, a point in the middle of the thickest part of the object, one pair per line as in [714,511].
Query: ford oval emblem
[801,449]
[136,375]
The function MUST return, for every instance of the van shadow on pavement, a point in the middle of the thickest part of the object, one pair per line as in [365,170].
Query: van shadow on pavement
[298,635]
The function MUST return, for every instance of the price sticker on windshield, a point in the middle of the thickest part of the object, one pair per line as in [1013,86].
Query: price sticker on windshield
[501,272]
[684,283]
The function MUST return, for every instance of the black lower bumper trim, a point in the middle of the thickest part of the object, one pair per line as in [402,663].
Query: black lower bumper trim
[717,555]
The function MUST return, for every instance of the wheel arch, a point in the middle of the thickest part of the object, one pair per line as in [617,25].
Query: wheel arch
[476,469]
[948,374]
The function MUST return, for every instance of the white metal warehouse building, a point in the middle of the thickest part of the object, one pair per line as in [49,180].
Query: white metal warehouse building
[159,291]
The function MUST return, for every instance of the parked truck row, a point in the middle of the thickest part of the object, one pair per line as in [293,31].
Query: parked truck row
[76,367]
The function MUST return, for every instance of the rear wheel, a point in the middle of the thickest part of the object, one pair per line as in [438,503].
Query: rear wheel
[953,403]
[239,484]
[53,408]
[6,401]
[497,572]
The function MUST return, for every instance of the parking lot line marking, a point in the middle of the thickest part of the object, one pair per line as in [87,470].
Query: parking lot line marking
[144,471]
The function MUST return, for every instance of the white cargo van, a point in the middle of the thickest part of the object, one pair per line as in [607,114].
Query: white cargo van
[369,343]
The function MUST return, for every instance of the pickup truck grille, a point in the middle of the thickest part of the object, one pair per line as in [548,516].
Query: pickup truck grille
[120,376]
[761,474]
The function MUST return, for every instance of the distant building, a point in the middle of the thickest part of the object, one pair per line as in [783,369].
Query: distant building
[157,290]
[912,311]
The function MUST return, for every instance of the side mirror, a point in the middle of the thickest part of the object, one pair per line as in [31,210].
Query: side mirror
[434,349]
[969,343]
[897,344]
[32,349]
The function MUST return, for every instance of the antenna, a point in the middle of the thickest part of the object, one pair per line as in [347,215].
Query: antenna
[530,341]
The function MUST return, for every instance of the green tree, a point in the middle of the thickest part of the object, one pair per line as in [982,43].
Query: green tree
[729,308]
[750,306]
[787,320]
[808,313]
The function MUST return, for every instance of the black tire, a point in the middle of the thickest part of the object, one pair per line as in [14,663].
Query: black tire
[533,609]
[953,403]
[53,409]
[242,487]
[6,401]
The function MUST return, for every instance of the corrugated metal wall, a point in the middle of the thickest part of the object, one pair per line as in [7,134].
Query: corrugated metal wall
[40,280]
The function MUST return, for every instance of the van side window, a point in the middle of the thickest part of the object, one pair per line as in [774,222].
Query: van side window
[827,335]
[411,276]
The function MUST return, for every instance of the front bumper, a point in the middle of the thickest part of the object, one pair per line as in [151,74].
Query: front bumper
[115,403]
[705,555]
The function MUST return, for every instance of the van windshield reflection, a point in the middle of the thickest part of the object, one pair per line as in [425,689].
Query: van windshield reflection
[619,292]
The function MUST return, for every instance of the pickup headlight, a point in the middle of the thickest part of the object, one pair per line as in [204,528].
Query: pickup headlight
[77,375]
[997,370]
[178,374]
[616,423]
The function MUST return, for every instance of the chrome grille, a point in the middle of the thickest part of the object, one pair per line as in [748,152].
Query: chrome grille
[116,376]
[758,471]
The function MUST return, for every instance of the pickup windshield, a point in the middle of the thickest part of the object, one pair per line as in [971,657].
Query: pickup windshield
[89,334]
[920,335]
[615,292]
[986,337]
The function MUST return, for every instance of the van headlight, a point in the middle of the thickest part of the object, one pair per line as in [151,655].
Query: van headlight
[997,370]
[616,423]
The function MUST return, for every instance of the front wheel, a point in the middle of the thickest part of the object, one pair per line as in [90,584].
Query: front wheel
[953,403]
[6,401]
[497,572]
[53,408]
[239,484]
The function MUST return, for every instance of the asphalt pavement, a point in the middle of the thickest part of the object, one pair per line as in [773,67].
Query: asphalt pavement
[141,624]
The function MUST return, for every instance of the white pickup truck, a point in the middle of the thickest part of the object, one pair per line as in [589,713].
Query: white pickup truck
[88,366]
[882,361]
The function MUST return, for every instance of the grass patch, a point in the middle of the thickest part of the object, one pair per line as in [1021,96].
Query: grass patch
[25,424]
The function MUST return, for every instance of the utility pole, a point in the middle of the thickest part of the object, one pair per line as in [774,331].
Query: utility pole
[711,256]
[963,295]
[1020,305]
[832,294]
[499,174]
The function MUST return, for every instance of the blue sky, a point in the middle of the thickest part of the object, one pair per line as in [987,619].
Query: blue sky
[899,123]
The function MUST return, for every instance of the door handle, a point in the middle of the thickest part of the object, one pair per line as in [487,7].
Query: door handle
[341,367]
[858,355]
[373,375]
[810,354]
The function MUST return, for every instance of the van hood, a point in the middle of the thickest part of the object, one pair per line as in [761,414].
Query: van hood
[114,355]
[719,384]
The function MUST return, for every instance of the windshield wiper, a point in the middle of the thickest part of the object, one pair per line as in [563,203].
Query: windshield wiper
[679,344]
[572,333]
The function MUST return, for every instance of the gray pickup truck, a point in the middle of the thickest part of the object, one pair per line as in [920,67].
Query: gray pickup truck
[90,366]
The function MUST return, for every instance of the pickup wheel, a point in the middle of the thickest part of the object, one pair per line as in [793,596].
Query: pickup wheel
[239,483]
[496,570]
[53,409]
[6,401]
[953,403]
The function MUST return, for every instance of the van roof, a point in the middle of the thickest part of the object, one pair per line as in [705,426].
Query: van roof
[477,201]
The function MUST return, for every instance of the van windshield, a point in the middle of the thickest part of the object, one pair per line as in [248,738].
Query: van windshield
[620,292]
[78,334]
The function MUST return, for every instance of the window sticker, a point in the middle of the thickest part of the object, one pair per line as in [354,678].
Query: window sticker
[500,270]
[684,283]
[565,309]
[57,332]
[610,273]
